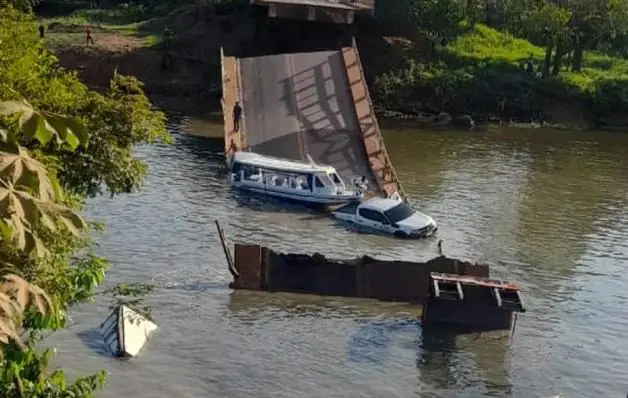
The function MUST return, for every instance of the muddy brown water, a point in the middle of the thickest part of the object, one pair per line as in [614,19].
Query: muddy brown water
[548,208]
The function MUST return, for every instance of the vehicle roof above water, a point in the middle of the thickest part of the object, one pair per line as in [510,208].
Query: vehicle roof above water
[381,204]
[269,162]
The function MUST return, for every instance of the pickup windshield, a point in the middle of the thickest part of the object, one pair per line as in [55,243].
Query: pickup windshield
[399,212]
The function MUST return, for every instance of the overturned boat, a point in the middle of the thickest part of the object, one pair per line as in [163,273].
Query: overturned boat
[305,182]
[126,331]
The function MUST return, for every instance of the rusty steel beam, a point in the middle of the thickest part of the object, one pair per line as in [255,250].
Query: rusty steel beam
[352,5]
[371,135]
[234,140]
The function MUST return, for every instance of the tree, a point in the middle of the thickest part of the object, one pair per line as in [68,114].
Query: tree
[22,5]
[593,21]
[119,119]
[48,166]
[28,194]
[434,17]
[548,24]
[31,197]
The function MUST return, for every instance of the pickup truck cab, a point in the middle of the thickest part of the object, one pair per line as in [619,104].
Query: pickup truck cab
[391,216]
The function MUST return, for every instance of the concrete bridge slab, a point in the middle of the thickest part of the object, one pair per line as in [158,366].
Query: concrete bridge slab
[298,104]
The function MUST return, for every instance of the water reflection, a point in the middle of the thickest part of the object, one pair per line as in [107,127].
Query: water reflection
[93,339]
[243,303]
[445,360]
[475,363]
[586,182]
[211,149]
[371,343]
[263,203]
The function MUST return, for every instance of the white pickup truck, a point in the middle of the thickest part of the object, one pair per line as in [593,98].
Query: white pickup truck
[392,216]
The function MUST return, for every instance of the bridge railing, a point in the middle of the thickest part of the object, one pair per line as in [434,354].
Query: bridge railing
[388,167]
[223,79]
[230,79]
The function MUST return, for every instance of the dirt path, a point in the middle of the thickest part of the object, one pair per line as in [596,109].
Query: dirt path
[117,43]
[95,63]
[131,54]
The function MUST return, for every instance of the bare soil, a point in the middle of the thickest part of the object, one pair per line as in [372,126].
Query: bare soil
[177,85]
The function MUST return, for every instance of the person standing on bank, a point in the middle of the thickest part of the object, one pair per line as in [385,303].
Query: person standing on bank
[501,108]
[41,31]
[237,115]
[88,36]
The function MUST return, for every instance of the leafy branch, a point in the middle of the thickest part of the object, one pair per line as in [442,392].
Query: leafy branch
[29,197]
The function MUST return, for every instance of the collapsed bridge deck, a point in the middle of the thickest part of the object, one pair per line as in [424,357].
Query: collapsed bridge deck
[315,103]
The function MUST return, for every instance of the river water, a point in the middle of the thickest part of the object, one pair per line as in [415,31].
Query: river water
[547,208]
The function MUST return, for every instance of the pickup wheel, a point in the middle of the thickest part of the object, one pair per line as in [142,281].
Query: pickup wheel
[400,234]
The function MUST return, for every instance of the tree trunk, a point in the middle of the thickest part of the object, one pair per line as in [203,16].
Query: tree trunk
[576,61]
[471,11]
[558,58]
[548,59]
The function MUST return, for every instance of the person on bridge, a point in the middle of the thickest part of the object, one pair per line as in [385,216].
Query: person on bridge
[237,115]
[361,186]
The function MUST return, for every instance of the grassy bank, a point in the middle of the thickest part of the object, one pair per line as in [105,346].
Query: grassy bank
[471,73]
[467,75]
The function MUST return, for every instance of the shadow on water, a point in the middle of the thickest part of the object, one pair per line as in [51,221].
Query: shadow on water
[372,342]
[251,304]
[444,359]
[93,339]
[210,149]
[264,203]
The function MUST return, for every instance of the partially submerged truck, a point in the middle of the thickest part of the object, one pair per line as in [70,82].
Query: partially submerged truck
[388,215]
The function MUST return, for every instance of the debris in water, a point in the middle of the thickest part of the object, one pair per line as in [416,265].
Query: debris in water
[125,331]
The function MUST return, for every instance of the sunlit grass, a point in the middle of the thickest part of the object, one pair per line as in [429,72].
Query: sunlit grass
[484,44]
[68,31]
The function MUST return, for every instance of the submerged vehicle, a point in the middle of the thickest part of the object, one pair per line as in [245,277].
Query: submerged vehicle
[305,182]
[389,215]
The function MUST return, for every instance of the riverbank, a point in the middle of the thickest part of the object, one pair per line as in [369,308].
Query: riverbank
[409,78]
[472,73]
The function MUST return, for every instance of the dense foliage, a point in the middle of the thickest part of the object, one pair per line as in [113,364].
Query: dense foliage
[550,58]
[49,163]
[538,51]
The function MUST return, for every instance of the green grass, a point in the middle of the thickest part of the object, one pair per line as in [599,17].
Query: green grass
[484,44]
[67,31]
